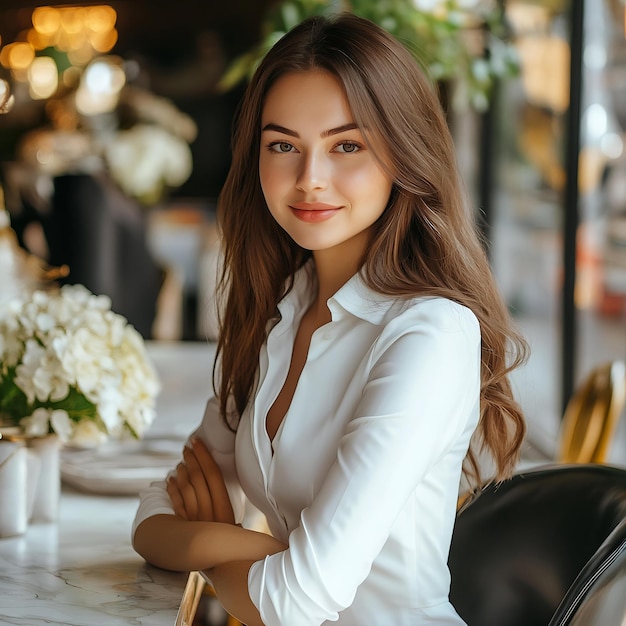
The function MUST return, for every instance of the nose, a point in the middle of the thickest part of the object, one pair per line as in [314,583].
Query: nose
[313,174]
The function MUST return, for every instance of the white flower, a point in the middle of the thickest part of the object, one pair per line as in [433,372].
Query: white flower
[86,358]
[49,380]
[87,434]
[37,424]
[109,407]
[77,366]
[25,372]
[146,158]
[10,344]
[62,424]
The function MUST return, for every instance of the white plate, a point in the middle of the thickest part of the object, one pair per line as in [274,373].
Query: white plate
[120,468]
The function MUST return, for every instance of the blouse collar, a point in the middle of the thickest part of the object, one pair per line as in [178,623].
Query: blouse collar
[354,297]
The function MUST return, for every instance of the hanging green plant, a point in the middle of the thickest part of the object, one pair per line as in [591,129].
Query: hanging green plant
[465,41]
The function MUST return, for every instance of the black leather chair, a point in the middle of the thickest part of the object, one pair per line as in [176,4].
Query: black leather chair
[598,596]
[542,549]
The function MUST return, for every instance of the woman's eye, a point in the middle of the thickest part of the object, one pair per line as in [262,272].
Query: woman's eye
[281,146]
[348,147]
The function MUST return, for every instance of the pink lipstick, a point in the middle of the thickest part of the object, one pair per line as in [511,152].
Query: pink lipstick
[313,211]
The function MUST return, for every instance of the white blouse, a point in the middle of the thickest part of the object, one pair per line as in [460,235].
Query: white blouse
[362,477]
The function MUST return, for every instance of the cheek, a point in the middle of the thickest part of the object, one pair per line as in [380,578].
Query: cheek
[273,178]
[273,189]
[367,182]
[266,180]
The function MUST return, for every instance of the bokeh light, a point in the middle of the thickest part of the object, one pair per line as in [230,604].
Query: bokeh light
[78,34]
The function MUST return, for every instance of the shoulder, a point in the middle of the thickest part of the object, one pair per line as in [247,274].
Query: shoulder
[430,325]
[444,313]
[438,313]
[393,312]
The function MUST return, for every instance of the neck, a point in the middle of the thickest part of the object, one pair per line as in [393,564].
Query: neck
[333,272]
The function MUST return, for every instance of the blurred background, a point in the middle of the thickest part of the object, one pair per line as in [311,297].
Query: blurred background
[114,145]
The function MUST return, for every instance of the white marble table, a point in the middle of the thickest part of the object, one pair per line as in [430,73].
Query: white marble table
[81,570]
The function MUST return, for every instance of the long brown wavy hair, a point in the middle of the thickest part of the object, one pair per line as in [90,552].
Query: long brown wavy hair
[425,242]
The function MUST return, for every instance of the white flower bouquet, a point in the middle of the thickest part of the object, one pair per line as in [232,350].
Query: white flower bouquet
[71,366]
[147,160]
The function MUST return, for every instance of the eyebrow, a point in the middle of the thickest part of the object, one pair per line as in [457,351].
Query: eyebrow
[327,133]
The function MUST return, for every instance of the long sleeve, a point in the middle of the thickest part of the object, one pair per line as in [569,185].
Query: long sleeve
[402,447]
[220,441]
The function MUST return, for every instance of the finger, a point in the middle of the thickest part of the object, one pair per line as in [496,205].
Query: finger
[199,484]
[187,492]
[175,497]
[222,507]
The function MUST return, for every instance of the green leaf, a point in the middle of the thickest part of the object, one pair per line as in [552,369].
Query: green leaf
[132,431]
[290,14]
[435,39]
[13,401]
[75,404]
[236,71]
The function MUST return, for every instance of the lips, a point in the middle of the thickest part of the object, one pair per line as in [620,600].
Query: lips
[314,211]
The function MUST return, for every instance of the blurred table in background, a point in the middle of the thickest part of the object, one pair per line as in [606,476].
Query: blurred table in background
[186,371]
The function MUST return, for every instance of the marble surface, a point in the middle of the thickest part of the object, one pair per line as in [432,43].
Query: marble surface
[82,570]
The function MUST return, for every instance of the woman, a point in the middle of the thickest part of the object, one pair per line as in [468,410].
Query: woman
[363,342]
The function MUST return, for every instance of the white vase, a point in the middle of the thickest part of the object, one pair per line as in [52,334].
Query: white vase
[13,489]
[33,471]
[48,485]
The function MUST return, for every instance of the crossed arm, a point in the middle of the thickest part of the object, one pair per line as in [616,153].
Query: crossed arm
[202,534]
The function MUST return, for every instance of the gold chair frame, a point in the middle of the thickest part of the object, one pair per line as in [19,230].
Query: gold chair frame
[592,415]
[196,586]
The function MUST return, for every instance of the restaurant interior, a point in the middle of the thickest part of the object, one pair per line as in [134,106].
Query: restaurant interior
[115,130]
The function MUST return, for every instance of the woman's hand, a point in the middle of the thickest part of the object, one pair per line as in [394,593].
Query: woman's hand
[197,490]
